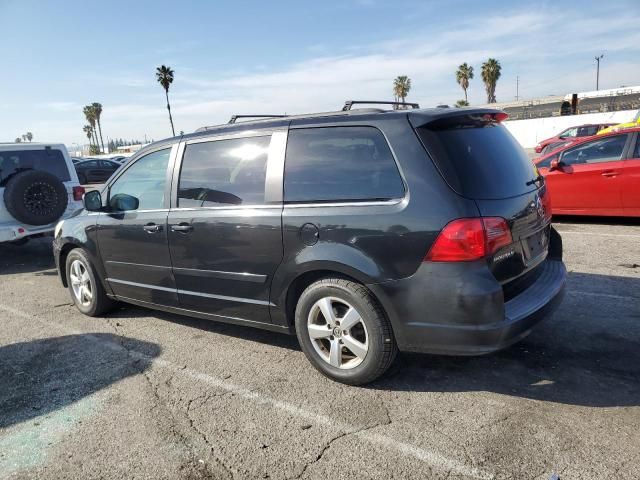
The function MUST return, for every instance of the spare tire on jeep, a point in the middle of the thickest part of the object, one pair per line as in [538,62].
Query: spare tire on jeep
[35,197]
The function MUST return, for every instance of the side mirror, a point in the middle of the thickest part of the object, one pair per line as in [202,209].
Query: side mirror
[122,202]
[92,201]
[555,165]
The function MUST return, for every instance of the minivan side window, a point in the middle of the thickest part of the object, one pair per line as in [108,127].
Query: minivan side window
[49,160]
[146,180]
[224,172]
[608,149]
[328,164]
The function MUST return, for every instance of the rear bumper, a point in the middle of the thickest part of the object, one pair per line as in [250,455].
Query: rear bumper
[460,309]
[16,232]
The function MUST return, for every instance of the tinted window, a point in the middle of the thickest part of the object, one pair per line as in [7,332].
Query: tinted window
[146,180]
[479,159]
[587,131]
[340,163]
[48,160]
[607,149]
[224,172]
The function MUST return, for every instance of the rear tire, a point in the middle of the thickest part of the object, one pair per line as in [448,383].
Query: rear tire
[344,332]
[87,291]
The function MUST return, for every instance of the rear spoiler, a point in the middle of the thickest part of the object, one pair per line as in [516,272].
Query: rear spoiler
[451,116]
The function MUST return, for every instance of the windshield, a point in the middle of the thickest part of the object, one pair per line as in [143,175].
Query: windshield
[480,161]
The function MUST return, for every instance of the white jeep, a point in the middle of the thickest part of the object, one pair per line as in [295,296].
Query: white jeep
[38,187]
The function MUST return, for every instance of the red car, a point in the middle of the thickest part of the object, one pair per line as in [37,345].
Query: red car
[568,136]
[595,175]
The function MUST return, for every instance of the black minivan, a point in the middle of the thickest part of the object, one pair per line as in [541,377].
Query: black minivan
[364,232]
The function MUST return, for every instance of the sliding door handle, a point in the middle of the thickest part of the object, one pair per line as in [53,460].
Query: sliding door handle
[181,227]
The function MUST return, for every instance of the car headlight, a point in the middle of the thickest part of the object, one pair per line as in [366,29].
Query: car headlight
[58,229]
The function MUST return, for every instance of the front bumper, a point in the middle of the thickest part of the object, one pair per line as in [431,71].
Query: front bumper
[459,309]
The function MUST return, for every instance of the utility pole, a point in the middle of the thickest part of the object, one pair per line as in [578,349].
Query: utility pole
[517,87]
[598,71]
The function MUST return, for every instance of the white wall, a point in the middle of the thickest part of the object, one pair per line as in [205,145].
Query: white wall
[530,132]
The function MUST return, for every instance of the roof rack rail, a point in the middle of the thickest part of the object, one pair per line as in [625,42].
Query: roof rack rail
[236,117]
[349,103]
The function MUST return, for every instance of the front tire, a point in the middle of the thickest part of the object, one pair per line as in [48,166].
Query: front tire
[86,290]
[344,332]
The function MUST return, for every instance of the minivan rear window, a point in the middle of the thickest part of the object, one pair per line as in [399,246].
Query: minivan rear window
[48,160]
[479,160]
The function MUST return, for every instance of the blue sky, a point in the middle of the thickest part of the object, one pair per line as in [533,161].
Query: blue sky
[289,56]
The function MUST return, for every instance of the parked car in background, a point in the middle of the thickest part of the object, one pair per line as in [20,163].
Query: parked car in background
[38,187]
[569,135]
[621,126]
[95,171]
[364,232]
[595,176]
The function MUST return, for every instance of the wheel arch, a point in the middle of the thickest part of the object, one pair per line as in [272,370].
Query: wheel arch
[302,280]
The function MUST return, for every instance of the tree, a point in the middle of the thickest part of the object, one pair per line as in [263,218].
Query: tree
[463,75]
[490,75]
[97,110]
[462,103]
[401,87]
[164,75]
[29,136]
[89,132]
[18,140]
[90,115]
[24,137]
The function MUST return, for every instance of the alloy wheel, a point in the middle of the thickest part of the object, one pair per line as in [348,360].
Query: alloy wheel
[338,333]
[81,283]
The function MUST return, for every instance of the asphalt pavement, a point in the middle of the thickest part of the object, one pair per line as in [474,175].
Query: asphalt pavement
[142,394]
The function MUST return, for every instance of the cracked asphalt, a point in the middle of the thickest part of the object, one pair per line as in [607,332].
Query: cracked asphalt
[142,394]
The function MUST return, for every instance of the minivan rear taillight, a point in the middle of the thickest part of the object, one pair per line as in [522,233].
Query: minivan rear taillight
[78,192]
[467,239]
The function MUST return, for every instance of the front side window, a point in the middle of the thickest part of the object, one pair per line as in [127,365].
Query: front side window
[340,164]
[224,172]
[49,160]
[146,180]
[587,131]
[607,149]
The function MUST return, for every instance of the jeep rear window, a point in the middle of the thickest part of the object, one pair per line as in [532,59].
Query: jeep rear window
[332,164]
[478,159]
[47,160]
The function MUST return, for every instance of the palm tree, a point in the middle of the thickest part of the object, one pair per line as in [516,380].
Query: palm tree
[462,103]
[29,136]
[90,114]
[97,109]
[89,132]
[463,75]
[401,87]
[164,75]
[490,75]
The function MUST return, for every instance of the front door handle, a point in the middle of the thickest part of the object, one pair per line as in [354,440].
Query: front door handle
[610,173]
[152,228]
[181,227]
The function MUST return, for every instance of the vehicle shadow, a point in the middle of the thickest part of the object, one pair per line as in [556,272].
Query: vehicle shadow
[42,376]
[34,256]
[587,220]
[587,353]
[238,331]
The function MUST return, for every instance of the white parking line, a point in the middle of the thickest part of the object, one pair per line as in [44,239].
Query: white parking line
[599,234]
[434,459]
[604,295]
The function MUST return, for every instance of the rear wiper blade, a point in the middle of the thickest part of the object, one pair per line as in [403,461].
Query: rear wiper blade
[539,178]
